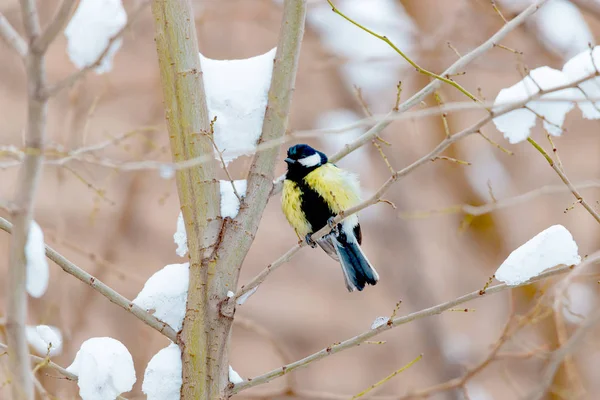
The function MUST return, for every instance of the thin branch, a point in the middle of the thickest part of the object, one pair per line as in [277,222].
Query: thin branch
[565,180]
[102,288]
[12,37]
[69,81]
[57,24]
[258,279]
[387,378]
[435,310]
[31,20]
[459,65]
[503,203]
[402,54]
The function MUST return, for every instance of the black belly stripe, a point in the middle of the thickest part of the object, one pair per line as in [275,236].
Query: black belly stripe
[314,206]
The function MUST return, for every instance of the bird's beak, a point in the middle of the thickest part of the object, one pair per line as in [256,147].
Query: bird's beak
[290,161]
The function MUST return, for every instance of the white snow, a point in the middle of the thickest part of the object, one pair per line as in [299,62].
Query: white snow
[578,303]
[549,248]
[44,339]
[162,379]
[180,237]
[104,369]
[364,60]
[230,294]
[582,65]
[245,297]
[237,94]
[165,294]
[379,321]
[516,125]
[230,204]
[88,34]
[234,377]
[37,265]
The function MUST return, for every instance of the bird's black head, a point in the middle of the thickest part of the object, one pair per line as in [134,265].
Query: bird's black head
[302,159]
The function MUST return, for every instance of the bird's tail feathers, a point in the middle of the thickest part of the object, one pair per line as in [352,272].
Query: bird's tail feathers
[358,271]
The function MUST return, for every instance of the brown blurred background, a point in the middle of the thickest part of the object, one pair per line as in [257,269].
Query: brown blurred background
[118,225]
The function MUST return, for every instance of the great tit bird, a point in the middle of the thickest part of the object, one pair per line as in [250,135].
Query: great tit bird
[314,192]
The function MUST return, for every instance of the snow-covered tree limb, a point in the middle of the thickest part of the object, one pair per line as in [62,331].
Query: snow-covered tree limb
[101,288]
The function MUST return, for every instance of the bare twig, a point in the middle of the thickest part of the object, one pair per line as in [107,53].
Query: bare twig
[69,81]
[503,203]
[58,22]
[357,340]
[12,37]
[401,53]
[102,288]
[258,279]
[387,378]
[566,180]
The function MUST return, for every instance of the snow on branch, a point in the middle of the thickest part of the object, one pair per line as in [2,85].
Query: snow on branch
[230,203]
[580,73]
[549,248]
[90,32]
[165,294]
[236,94]
[162,379]
[101,288]
[230,206]
[37,265]
[45,340]
[104,368]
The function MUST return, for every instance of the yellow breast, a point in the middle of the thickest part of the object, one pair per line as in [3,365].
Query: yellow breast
[291,204]
[339,188]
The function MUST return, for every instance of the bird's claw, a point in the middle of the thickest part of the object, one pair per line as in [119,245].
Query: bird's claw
[333,225]
[309,241]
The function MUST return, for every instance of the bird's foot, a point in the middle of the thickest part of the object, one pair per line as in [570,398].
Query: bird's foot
[333,225]
[309,241]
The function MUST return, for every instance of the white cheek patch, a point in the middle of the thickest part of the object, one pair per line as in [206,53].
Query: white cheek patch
[310,161]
